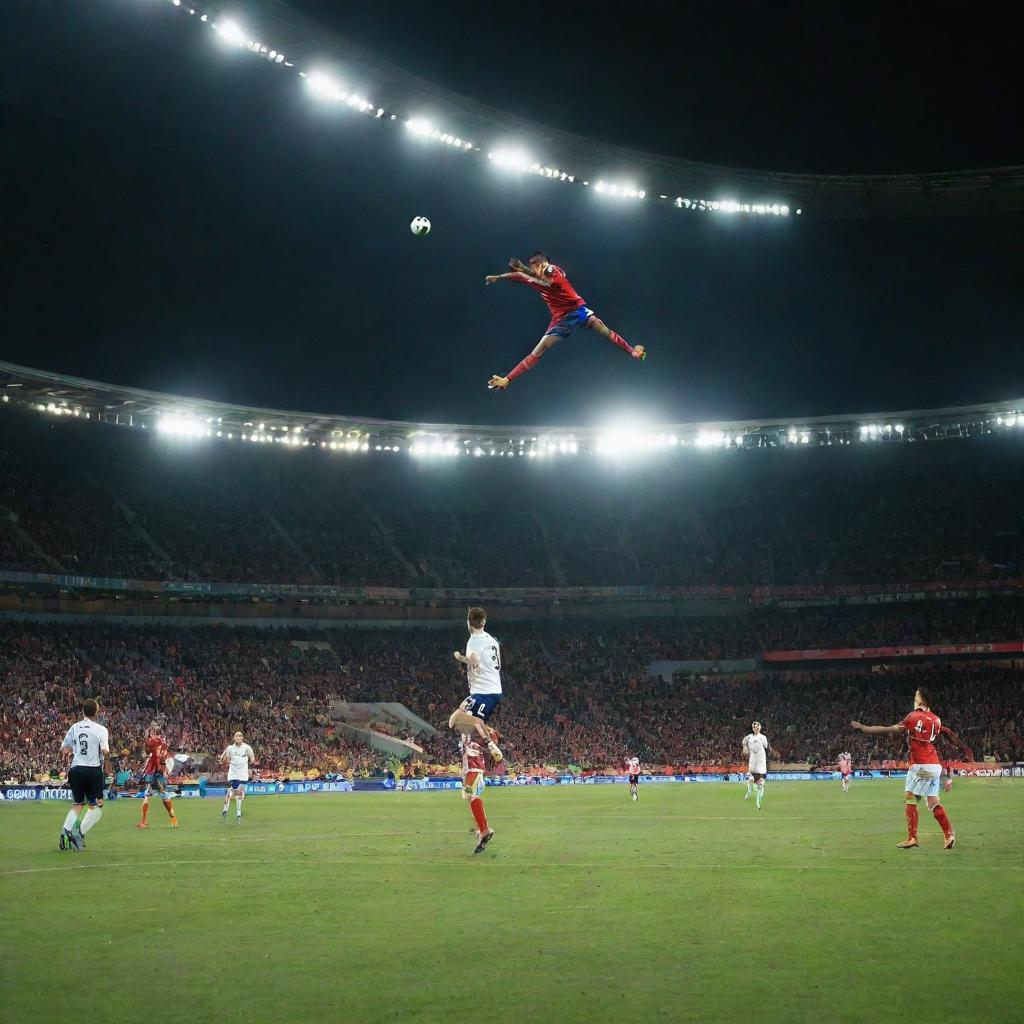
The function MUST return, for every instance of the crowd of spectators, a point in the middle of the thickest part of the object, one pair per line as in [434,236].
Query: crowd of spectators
[110,502]
[886,625]
[577,693]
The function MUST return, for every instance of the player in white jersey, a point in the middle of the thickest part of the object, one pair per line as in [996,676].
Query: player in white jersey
[87,743]
[633,771]
[756,747]
[238,756]
[483,668]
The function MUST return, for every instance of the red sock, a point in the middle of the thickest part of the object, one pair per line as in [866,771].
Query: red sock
[527,364]
[476,805]
[940,816]
[911,821]
[622,343]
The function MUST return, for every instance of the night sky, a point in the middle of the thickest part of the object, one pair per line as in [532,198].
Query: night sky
[182,218]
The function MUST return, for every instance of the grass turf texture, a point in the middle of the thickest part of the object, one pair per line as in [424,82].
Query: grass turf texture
[689,905]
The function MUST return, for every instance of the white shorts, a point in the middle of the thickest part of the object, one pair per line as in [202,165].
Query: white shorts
[923,779]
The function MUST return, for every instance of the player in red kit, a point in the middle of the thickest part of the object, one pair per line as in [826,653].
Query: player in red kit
[153,774]
[568,311]
[473,768]
[923,728]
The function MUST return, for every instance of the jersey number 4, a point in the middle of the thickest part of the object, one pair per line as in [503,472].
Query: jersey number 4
[920,728]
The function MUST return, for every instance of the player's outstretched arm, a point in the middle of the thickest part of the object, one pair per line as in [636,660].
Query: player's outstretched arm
[516,276]
[948,734]
[876,728]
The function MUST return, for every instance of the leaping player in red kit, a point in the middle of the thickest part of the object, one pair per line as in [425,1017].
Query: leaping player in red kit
[568,311]
[922,727]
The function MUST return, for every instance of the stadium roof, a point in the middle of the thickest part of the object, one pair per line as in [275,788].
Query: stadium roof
[61,395]
[308,45]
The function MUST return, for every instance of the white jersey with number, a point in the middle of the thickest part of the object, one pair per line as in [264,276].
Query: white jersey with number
[485,677]
[633,766]
[239,754]
[757,748]
[90,741]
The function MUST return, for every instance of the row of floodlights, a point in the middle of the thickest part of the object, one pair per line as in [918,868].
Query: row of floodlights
[325,87]
[421,444]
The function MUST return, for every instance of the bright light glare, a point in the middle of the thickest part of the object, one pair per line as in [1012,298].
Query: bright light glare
[231,32]
[419,126]
[181,426]
[512,159]
[325,87]
[626,441]
[621,191]
[435,446]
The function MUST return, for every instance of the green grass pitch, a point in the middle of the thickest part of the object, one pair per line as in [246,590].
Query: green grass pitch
[689,905]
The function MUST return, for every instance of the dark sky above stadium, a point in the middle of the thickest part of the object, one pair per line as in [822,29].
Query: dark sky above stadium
[183,219]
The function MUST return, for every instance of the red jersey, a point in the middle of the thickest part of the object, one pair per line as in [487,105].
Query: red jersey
[923,729]
[156,747]
[560,296]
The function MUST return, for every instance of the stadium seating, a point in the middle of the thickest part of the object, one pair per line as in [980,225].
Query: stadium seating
[101,501]
[577,693]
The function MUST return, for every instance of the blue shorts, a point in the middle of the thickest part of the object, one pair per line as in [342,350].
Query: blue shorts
[155,779]
[481,705]
[235,783]
[564,327]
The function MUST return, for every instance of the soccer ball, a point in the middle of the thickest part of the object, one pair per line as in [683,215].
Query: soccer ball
[420,226]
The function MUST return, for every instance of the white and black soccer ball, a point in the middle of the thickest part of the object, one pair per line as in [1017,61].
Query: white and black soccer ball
[420,227]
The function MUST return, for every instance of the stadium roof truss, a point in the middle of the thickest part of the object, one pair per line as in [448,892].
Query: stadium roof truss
[62,396]
[295,42]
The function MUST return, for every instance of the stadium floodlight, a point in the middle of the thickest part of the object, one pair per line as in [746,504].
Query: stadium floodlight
[231,32]
[419,126]
[324,87]
[621,191]
[512,160]
[176,425]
